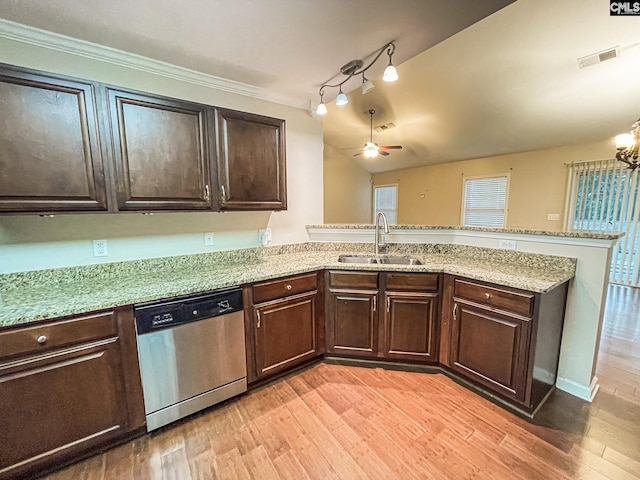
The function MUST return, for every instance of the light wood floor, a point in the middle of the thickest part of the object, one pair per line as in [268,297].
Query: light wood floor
[340,422]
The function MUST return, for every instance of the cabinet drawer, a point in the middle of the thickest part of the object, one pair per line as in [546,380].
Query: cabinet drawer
[422,282]
[47,336]
[353,280]
[265,291]
[516,302]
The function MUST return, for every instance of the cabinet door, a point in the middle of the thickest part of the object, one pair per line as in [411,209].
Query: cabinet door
[161,153]
[251,161]
[491,348]
[410,326]
[286,333]
[50,156]
[352,322]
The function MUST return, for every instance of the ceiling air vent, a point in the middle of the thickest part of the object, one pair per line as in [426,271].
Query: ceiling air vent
[599,57]
[386,126]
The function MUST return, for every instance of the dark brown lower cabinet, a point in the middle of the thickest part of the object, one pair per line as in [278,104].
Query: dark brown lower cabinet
[286,325]
[403,327]
[352,313]
[491,348]
[506,340]
[286,333]
[353,323]
[410,318]
[411,326]
[67,388]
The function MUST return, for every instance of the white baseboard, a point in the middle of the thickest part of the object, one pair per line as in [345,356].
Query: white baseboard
[584,392]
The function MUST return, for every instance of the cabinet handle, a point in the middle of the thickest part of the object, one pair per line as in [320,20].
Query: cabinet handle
[259,319]
[223,193]
[388,304]
[207,193]
[42,339]
[487,296]
[455,311]
[288,287]
[375,303]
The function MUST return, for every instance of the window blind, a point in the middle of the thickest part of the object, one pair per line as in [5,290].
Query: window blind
[604,197]
[485,201]
[385,200]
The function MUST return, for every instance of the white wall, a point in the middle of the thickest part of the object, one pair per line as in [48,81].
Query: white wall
[347,189]
[32,242]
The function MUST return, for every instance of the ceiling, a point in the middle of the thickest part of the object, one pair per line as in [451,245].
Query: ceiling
[473,83]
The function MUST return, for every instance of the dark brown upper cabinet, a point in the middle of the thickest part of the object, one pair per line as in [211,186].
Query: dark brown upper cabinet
[161,153]
[251,161]
[50,158]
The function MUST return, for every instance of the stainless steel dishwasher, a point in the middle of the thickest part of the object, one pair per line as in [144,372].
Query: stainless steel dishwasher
[192,354]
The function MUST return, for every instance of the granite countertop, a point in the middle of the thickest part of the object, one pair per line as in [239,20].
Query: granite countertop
[32,296]
[506,231]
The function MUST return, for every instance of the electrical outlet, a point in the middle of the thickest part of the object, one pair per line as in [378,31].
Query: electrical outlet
[507,244]
[100,248]
[264,236]
[208,238]
[553,216]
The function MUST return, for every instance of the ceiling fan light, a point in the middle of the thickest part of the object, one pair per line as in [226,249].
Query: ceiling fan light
[370,150]
[341,99]
[367,86]
[390,74]
[322,109]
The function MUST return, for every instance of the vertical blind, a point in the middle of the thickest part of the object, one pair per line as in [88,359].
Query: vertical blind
[604,197]
[485,202]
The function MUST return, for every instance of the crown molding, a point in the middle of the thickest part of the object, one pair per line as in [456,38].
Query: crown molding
[73,46]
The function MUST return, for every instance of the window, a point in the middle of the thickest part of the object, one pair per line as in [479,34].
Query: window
[385,200]
[485,201]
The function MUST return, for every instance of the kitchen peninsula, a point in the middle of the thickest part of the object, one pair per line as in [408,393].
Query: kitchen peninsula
[453,284]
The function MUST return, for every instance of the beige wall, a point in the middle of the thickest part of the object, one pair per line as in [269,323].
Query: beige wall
[433,195]
[347,189]
[32,242]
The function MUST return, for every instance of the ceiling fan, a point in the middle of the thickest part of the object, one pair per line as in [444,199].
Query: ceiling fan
[371,150]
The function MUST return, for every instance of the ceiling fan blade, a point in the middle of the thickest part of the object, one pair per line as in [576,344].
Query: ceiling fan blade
[391,147]
[382,152]
[356,154]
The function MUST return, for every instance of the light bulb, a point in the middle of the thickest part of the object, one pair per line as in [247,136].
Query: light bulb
[370,150]
[322,109]
[341,99]
[390,74]
[625,141]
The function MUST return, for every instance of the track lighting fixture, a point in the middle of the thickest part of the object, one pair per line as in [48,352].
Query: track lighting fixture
[355,67]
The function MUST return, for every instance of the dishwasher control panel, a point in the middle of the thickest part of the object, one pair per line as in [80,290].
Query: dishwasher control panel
[154,316]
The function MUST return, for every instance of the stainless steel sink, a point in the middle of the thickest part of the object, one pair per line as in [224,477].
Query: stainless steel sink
[379,260]
[399,261]
[356,259]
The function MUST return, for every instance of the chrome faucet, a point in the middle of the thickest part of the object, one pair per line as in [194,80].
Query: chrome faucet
[379,241]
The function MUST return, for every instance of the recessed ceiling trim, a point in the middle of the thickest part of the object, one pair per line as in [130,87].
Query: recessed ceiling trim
[62,43]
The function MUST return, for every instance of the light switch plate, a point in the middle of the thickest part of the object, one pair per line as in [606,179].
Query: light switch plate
[208,238]
[553,216]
